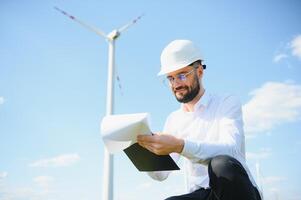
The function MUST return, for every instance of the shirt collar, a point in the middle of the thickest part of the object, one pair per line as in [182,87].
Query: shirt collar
[201,104]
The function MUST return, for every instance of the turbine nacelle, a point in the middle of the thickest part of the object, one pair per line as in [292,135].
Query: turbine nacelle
[113,35]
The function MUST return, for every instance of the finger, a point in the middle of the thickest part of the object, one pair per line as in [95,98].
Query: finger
[145,138]
[143,144]
[151,149]
[141,137]
[148,146]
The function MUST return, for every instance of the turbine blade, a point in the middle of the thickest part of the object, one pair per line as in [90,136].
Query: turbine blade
[125,27]
[91,28]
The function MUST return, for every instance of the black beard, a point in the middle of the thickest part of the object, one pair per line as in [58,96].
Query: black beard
[192,93]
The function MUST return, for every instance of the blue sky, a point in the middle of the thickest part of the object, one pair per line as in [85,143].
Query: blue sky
[53,89]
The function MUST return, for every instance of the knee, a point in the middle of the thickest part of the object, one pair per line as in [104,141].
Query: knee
[223,166]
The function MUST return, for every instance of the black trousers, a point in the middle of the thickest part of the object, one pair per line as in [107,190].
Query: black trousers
[228,181]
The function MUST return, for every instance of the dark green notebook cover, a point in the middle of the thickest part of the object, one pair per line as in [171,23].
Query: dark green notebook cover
[144,160]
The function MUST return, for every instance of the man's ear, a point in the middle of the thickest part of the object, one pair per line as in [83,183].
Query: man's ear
[200,71]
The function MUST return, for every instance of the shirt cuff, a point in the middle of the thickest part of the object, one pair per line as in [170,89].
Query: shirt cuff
[189,149]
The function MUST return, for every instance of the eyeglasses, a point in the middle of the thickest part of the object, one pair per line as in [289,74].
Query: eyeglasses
[181,77]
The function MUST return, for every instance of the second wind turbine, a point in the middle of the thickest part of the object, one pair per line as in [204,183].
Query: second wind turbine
[111,37]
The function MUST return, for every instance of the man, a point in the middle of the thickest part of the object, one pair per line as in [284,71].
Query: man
[207,130]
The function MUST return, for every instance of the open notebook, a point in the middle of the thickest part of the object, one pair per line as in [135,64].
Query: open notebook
[119,132]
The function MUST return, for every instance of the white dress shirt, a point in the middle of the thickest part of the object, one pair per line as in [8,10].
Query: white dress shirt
[215,127]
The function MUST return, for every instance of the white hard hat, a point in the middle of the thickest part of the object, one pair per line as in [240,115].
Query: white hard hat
[178,54]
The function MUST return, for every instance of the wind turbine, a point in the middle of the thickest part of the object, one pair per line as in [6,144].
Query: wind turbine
[111,37]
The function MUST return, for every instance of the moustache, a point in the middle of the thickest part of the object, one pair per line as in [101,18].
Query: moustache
[180,88]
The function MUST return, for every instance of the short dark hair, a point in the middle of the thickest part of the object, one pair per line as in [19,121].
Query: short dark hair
[198,62]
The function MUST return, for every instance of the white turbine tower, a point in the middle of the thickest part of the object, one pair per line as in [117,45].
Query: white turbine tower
[111,37]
